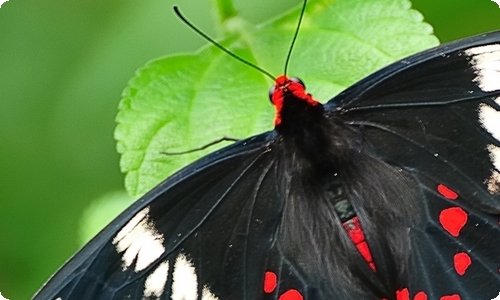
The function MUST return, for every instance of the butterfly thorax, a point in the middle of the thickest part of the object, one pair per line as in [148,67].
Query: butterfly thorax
[299,119]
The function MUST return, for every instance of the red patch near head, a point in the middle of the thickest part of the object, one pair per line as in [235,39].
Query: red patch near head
[420,296]
[447,192]
[403,294]
[450,297]
[291,295]
[453,219]
[461,261]
[270,282]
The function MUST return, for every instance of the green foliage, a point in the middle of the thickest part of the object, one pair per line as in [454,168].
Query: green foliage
[101,212]
[182,102]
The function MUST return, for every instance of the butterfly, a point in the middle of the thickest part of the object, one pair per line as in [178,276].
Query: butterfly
[390,190]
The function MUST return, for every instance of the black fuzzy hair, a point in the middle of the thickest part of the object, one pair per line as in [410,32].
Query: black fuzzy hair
[315,155]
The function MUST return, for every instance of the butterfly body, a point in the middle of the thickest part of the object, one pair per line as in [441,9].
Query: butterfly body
[388,191]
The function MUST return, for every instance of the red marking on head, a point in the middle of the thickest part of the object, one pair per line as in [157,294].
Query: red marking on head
[450,297]
[453,219]
[461,261]
[447,192]
[270,282]
[355,232]
[420,296]
[291,295]
[403,294]
[283,83]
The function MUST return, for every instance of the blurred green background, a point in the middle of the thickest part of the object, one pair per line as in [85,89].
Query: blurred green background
[63,65]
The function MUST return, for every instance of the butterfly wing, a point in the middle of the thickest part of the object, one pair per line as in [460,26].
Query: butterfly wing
[209,232]
[204,233]
[437,115]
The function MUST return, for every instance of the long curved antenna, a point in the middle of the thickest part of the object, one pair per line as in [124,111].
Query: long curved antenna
[206,37]
[295,36]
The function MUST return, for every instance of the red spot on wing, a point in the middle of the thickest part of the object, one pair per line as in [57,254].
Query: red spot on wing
[403,294]
[447,192]
[270,282]
[291,295]
[355,232]
[450,297]
[453,219]
[420,296]
[461,261]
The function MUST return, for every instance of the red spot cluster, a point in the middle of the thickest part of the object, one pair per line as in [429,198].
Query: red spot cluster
[270,284]
[355,232]
[404,294]
[452,220]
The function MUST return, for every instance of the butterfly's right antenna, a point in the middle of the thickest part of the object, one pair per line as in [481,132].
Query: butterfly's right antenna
[295,36]
[206,37]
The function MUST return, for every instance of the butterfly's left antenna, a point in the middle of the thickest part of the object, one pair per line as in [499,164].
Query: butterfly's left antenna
[295,36]
[206,37]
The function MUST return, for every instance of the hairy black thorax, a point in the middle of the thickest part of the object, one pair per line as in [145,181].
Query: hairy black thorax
[330,176]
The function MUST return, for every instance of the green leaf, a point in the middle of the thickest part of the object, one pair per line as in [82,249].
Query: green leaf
[182,102]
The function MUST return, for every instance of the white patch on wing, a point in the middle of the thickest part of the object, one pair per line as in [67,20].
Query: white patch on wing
[154,286]
[207,294]
[494,155]
[489,118]
[139,241]
[486,63]
[185,281]
[493,183]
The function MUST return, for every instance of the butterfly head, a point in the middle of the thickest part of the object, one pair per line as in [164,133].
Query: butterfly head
[289,91]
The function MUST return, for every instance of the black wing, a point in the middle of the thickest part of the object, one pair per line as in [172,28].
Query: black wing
[437,115]
[207,233]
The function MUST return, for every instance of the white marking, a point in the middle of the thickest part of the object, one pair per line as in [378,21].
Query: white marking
[140,242]
[493,183]
[486,62]
[207,294]
[154,286]
[494,155]
[489,118]
[185,285]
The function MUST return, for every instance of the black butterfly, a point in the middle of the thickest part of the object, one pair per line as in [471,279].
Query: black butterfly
[391,190]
